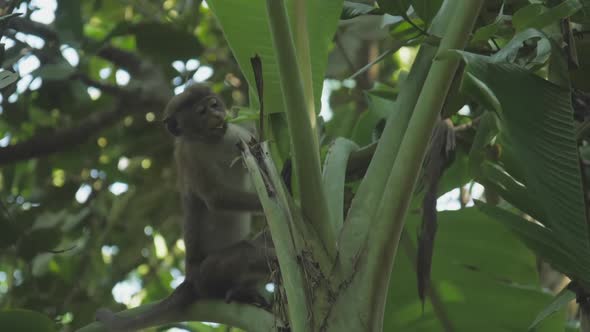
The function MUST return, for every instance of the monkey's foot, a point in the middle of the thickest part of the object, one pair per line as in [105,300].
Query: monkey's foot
[250,296]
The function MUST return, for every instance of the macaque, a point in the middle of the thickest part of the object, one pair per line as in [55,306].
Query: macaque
[218,203]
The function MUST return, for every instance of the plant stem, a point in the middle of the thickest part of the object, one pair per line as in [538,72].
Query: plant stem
[304,141]
[392,209]
[362,210]
[280,220]
[303,56]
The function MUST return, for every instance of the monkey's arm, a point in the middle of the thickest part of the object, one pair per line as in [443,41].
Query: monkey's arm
[228,199]
[195,215]
[220,189]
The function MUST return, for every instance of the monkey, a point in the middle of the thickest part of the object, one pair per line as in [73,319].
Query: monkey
[218,203]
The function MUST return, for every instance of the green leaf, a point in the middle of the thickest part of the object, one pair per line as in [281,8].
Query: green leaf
[561,300]
[55,72]
[457,174]
[20,320]
[379,109]
[246,29]
[165,42]
[488,31]
[497,293]
[41,117]
[580,77]
[343,122]
[496,178]
[244,114]
[542,241]
[10,232]
[516,50]
[38,241]
[161,42]
[538,16]
[536,119]
[583,16]
[334,178]
[426,9]
[7,78]
[487,129]
[353,9]
[395,7]
[405,31]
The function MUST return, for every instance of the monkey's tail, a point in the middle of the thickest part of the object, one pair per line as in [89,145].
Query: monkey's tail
[158,313]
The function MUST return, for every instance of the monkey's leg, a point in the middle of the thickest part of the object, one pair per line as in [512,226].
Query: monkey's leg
[237,273]
[182,296]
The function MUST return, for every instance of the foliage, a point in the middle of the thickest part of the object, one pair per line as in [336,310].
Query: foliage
[89,206]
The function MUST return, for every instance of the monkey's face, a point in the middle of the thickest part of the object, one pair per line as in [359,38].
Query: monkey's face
[202,120]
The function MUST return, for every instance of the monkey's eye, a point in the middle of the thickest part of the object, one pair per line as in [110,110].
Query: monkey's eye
[172,126]
[213,102]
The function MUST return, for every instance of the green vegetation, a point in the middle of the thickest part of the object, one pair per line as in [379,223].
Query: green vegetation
[90,215]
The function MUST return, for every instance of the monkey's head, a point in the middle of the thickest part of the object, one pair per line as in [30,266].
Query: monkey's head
[197,114]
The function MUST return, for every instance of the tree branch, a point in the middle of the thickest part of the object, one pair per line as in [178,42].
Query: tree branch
[243,316]
[67,138]
[103,87]
[126,60]
[148,97]
[27,26]
[41,145]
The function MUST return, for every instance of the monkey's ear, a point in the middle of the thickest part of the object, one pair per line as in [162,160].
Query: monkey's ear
[172,126]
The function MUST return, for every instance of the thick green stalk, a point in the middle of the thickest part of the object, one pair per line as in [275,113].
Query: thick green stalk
[393,206]
[281,221]
[362,210]
[335,178]
[303,56]
[304,139]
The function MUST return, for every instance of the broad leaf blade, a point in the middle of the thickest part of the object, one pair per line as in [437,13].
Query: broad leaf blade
[353,9]
[541,240]
[498,293]
[426,9]
[561,300]
[7,78]
[538,16]
[536,119]
[395,7]
[245,26]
